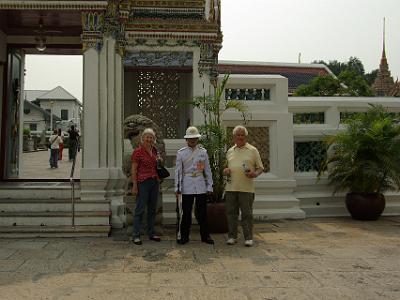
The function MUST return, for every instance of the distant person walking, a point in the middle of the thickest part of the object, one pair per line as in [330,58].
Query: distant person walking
[73,142]
[61,149]
[243,165]
[55,141]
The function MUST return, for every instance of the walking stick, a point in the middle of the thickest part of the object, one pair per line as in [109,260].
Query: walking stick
[178,210]
[178,216]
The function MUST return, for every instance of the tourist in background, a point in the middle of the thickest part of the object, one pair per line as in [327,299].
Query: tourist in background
[73,142]
[145,185]
[243,165]
[54,141]
[61,145]
[193,180]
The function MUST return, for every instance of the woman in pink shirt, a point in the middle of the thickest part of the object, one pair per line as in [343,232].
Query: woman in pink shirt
[145,185]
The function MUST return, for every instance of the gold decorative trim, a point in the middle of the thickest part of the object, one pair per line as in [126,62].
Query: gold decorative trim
[57,5]
[143,25]
[94,41]
[168,3]
[92,26]
[174,35]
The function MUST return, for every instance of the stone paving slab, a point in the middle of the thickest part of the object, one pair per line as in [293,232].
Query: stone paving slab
[36,165]
[318,258]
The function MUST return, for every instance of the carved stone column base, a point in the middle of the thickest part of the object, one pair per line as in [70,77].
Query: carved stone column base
[108,185]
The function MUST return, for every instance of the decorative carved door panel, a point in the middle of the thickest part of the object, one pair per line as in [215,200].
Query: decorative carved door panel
[158,96]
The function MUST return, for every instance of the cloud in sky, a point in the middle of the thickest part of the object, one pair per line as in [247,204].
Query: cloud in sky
[45,72]
[278,30]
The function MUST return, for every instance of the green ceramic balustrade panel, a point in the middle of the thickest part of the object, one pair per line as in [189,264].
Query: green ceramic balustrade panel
[309,118]
[308,156]
[247,94]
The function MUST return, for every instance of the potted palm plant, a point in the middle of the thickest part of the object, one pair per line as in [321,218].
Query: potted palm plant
[27,143]
[364,161]
[214,140]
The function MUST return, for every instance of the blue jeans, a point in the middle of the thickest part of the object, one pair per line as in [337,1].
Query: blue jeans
[147,195]
[54,158]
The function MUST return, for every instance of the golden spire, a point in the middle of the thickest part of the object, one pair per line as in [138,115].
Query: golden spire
[384,38]
[383,82]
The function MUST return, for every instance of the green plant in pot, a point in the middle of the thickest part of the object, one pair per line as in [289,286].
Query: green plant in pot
[26,132]
[364,161]
[214,140]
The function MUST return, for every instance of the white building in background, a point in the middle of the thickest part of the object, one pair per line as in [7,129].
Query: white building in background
[37,119]
[65,108]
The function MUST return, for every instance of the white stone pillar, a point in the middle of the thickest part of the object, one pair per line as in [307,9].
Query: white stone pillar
[101,173]
[91,148]
[201,86]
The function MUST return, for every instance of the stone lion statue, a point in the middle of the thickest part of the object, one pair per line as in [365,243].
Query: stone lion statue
[133,128]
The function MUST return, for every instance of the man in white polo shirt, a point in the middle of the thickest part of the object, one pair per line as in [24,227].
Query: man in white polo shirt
[243,165]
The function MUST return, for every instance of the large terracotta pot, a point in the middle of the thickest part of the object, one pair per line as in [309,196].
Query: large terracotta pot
[365,206]
[216,218]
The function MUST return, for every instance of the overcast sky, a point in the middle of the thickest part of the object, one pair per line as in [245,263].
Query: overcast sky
[273,31]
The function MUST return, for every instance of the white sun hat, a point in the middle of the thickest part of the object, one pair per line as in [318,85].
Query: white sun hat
[192,133]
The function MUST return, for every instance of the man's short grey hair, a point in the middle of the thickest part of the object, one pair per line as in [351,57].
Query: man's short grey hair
[148,131]
[240,128]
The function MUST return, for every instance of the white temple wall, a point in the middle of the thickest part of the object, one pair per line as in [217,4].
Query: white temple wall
[283,192]
[315,196]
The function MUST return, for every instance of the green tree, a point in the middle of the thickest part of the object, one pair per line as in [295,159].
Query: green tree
[354,64]
[351,80]
[355,83]
[335,66]
[320,86]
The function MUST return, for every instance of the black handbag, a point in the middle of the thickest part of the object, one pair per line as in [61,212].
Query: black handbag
[162,172]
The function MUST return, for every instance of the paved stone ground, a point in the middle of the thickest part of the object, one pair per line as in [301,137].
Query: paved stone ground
[35,165]
[329,258]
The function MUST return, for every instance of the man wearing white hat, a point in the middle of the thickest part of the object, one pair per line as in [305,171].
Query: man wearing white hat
[193,180]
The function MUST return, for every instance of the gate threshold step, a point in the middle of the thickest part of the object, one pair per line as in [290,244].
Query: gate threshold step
[56,214]
[54,231]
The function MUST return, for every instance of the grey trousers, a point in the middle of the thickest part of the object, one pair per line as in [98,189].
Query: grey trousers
[244,202]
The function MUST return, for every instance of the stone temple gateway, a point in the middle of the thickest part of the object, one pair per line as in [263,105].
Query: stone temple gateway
[146,57]
[139,57]
[156,53]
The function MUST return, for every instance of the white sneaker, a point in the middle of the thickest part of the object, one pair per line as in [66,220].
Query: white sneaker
[231,241]
[248,243]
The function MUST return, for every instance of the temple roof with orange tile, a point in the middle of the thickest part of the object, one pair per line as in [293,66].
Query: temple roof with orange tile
[297,74]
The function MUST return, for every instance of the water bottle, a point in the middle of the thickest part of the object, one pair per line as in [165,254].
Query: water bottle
[246,169]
